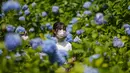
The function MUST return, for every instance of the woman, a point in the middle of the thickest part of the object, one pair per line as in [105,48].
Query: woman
[59,31]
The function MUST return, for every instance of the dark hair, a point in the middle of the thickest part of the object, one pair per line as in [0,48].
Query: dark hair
[58,26]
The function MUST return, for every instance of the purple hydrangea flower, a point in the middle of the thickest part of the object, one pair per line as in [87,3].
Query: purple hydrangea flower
[54,39]
[48,36]
[77,39]
[49,47]
[20,13]
[60,57]
[74,20]
[10,28]
[18,56]
[36,42]
[87,12]
[91,70]
[117,42]
[69,28]
[99,19]
[22,18]
[128,32]
[126,26]
[87,4]
[49,27]
[34,4]
[63,53]
[44,14]
[69,37]
[95,56]
[12,41]
[79,32]
[57,58]
[48,24]
[25,7]
[20,29]
[78,15]
[27,12]
[55,9]
[87,25]
[10,5]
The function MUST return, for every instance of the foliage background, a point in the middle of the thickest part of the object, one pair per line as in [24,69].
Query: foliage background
[116,60]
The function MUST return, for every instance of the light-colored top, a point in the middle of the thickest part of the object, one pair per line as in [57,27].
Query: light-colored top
[66,46]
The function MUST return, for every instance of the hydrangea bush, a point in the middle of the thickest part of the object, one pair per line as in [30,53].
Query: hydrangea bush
[97,29]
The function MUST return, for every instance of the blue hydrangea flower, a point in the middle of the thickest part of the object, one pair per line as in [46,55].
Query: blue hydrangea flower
[74,20]
[25,7]
[99,19]
[95,56]
[69,28]
[10,5]
[79,32]
[87,25]
[49,27]
[27,12]
[54,39]
[57,58]
[12,41]
[69,38]
[63,53]
[18,56]
[90,70]
[31,29]
[49,47]
[126,26]
[1,51]
[20,13]
[87,12]
[20,30]
[34,4]
[77,39]
[55,9]
[128,32]
[22,18]
[48,36]
[36,42]
[48,24]
[60,57]
[78,15]
[44,14]
[87,4]
[117,42]
[129,7]
[10,28]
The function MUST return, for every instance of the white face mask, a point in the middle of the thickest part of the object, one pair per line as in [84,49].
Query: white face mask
[61,34]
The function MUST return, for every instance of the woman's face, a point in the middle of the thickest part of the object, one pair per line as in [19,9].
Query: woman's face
[60,33]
